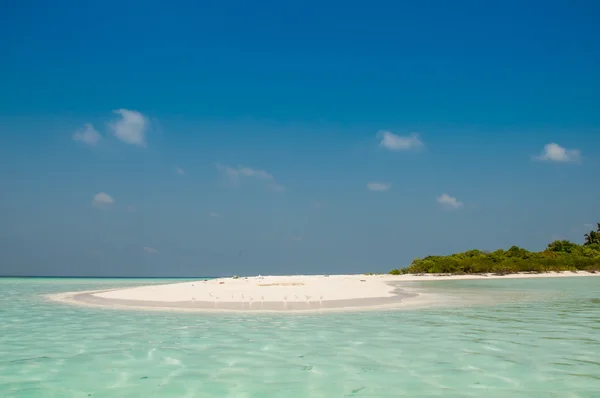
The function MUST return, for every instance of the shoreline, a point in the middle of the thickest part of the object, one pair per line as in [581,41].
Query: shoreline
[91,299]
[284,294]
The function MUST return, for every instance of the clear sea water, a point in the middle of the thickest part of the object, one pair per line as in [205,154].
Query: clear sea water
[530,338]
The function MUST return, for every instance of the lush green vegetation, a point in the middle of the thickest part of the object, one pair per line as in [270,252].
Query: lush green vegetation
[560,255]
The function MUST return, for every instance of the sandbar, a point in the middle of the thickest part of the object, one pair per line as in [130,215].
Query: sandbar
[298,293]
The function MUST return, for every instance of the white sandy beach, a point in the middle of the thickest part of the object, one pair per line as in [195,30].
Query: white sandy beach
[306,293]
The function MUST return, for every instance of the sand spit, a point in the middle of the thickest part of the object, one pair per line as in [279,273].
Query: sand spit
[299,293]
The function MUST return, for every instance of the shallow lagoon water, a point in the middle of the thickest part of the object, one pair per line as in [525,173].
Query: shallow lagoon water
[506,338]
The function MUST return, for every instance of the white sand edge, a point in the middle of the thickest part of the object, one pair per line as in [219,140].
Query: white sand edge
[268,294]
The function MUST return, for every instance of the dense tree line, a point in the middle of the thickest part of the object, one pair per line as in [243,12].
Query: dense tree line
[560,255]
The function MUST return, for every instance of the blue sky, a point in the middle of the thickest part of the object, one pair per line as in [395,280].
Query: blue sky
[214,138]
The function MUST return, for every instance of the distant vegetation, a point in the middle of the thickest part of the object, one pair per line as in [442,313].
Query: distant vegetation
[560,255]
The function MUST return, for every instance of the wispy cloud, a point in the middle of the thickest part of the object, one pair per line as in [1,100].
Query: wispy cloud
[555,153]
[131,209]
[180,171]
[295,238]
[278,188]
[395,142]
[449,201]
[102,200]
[150,250]
[214,214]
[131,127]
[318,205]
[236,174]
[87,134]
[248,172]
[378,186]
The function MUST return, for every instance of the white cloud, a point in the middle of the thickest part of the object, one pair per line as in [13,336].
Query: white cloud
[449,201]
[296,238]
[395,142]
[150,250]
[214,214]
[179,171]
[260,174]
[555,153]
[102,200]
[87,134]
[235,175]
[131,128]
[230,172]
[378,186]
[131,209]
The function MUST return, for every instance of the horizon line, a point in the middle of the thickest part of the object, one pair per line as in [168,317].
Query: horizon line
[108,277]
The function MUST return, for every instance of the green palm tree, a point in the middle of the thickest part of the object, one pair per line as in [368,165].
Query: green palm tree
[592,237]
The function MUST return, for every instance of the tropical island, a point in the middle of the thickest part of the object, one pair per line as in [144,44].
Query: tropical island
[560,255]
[319,293]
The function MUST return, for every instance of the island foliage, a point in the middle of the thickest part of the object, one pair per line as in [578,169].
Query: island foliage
[560,255]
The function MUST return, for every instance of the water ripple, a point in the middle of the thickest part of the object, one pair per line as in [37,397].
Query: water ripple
[537,338]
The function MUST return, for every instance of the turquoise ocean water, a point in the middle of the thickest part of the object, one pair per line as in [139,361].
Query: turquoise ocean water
[531,338]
